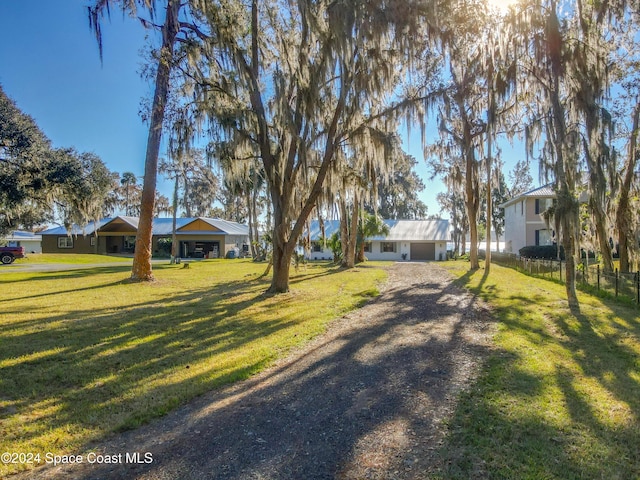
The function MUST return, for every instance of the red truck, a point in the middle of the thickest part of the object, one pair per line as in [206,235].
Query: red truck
[9,254]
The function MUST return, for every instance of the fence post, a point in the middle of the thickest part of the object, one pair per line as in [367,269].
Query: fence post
[598,277]
[560,271]
[617,279]
[638,286]
[586,270]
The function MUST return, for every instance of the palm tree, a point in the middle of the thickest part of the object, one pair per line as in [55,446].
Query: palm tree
[369,226]
[142,270]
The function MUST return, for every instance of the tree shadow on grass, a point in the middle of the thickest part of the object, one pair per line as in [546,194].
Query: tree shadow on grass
[368,384]
[109,352]
[71,274]
[577,417]
[135,363]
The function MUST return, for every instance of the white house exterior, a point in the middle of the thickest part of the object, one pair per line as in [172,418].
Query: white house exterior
[523,223]
[415,240]
[31,242]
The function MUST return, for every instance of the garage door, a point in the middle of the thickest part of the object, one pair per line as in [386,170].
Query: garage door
[423,251]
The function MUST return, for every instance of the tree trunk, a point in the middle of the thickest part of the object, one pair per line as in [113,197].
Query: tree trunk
[254,209]
[344,229]
[350,233]
[174,237]
[568,242]
[566,161]
[353,233]
[472,211]
[598,187]
[141,270]
[490,120]
[250,215]
[281,267]
[283,248]
[360,240]
[487,261]
[623,214]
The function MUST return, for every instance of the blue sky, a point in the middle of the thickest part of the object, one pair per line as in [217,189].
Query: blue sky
[50,66]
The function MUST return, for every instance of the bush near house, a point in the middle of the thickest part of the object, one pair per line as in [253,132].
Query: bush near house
[549,252]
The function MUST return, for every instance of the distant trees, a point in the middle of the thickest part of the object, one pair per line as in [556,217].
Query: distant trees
[398,196]
[39,183]
[131,194]
[80,198]
[26,168]
[197,184]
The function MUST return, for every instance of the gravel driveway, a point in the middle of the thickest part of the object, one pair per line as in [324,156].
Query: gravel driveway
[366,400]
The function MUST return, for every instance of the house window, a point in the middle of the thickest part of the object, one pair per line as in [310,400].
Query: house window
[65,242]
[543,237]
[92,241]
[543,204]
[367,247]
[388,247]
[316,247]
[129,243]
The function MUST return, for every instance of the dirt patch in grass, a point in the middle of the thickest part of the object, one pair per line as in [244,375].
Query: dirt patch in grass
[369,399]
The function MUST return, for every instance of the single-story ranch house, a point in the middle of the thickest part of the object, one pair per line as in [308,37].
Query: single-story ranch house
[32,242]
[407,240]
[198,237]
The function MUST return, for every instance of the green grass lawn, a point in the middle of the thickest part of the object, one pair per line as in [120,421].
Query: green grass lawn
[85,352]
[69,258]
[560,395]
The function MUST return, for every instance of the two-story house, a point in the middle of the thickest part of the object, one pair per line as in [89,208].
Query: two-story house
[523,223]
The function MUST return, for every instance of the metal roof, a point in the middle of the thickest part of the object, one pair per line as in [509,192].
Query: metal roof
[89,229]
[161,226]
[546,191]
[315,232]
[22,236]
[227,226]
[416,230]
[399,230]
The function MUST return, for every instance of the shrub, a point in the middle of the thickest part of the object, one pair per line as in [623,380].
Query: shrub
[549,252]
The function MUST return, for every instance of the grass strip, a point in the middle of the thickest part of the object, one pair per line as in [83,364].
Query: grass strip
[559,397]
[69,258]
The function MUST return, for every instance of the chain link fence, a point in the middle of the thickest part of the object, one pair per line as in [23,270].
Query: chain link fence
[618,284]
